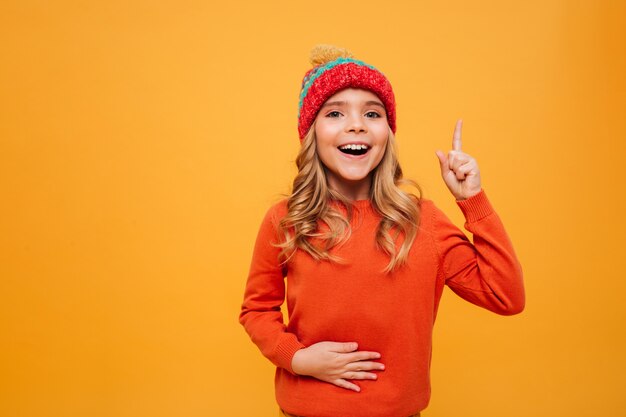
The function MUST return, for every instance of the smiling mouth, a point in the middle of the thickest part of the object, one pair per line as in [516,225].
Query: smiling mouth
[356,152]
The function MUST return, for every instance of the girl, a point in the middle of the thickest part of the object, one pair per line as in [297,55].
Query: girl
[365,261]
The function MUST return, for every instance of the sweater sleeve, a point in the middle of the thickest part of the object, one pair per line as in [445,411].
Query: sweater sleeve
[260,313]
[486,273]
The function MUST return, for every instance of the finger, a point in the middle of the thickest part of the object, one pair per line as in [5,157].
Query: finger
[460,173]
[344,347]
[359,375]
[443,160]
[456,137]
[347,385]
[365,366]
[456,159]
[362,356]
[467,167]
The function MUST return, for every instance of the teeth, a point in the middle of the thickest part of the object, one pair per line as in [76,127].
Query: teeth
[354,147]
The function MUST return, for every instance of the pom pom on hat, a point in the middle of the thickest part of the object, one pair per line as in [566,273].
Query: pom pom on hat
[334,69]
[322,53]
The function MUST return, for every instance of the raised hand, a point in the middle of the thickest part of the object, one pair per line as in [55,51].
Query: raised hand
[335,363]
[458,169]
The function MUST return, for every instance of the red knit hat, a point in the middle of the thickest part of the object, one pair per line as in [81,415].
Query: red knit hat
[335,69]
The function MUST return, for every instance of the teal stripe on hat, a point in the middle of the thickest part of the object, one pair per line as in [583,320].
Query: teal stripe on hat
[317,72]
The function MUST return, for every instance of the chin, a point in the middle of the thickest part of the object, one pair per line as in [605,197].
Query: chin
[353,178]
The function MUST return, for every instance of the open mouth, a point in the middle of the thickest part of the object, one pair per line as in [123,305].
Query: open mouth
[355,150]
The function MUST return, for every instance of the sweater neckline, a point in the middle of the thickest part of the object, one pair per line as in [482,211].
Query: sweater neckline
[362,205]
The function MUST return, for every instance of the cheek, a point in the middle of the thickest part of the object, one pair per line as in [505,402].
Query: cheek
[379,157]
[381,137]
[324,149]
[325,141]
[323,133]
[324,153]
[381,132]
[382,149]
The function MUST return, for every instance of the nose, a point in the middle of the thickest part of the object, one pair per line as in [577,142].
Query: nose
[355,123]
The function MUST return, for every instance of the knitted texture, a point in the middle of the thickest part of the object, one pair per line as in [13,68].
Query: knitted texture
[390,314]
[335,69]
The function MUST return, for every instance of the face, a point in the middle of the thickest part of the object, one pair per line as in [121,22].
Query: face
[353,117]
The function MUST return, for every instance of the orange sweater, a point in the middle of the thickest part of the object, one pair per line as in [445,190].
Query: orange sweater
[393,315]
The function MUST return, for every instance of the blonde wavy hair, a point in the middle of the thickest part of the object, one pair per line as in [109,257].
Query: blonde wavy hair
[310,199]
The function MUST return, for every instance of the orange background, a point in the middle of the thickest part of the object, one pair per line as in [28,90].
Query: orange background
[141,143]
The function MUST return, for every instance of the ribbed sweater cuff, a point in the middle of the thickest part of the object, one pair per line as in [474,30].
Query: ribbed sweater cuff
[476,207]
[285,352]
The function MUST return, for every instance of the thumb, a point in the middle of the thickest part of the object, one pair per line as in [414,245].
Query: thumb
[346,347]
[443,160]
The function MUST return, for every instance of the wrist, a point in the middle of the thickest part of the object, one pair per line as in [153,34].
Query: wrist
[476,207]
[462,198]
[296,362]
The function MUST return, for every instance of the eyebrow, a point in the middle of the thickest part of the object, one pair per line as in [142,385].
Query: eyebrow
[343,103]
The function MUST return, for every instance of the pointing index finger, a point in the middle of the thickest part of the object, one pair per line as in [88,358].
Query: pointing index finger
[456,138]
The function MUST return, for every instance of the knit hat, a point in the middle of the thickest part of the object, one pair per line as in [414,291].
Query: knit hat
[335,69]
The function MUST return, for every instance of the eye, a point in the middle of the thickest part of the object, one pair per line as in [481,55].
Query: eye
[376,115]
[332,112]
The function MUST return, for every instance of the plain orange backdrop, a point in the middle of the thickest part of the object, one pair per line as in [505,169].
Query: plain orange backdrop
[141,143]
